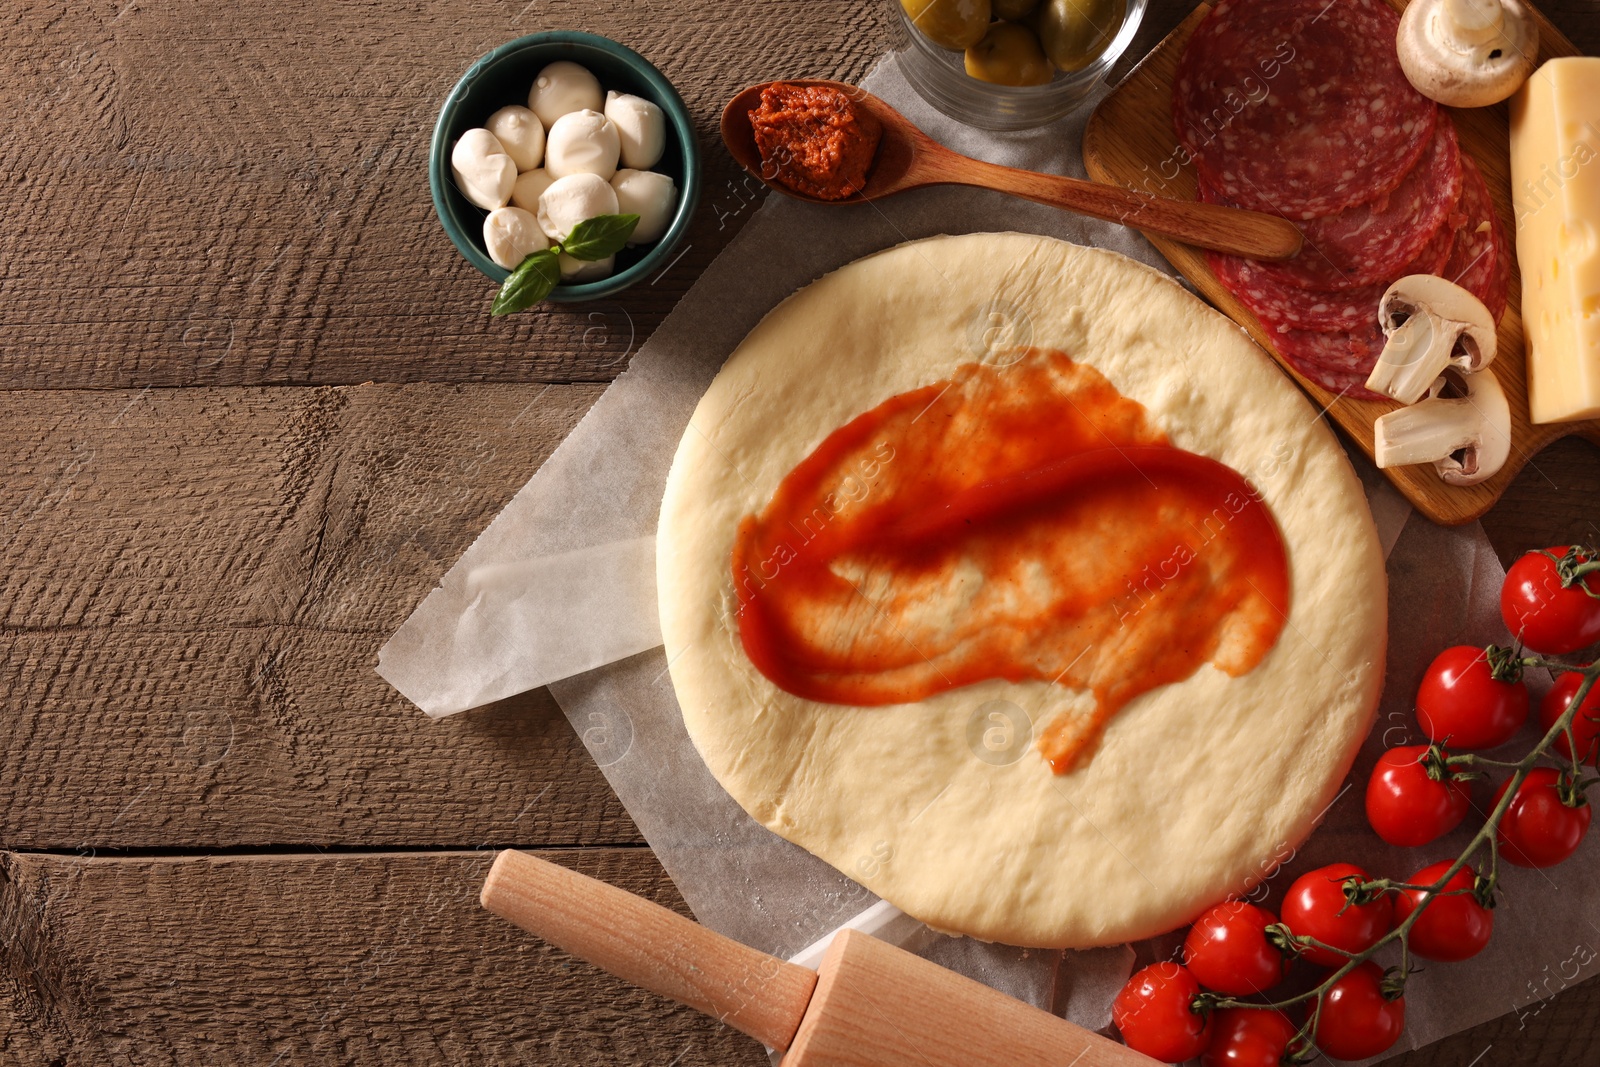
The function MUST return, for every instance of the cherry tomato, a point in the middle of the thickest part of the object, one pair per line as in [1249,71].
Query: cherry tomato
[1248,1037]
[1152,1014]
[1459,701]
[1316,907]
[1357,1020]
[1227,950]
[1585,724]
[1547,616]
[1454,926]
[1408,807]
[1537,829]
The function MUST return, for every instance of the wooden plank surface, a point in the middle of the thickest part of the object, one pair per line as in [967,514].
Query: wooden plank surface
[222,194]
[195,584]
[196,760]
[355,960]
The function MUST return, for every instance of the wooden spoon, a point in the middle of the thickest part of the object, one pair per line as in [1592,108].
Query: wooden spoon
[907,158]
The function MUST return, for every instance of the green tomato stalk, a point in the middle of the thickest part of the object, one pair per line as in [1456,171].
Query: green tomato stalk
[1358,892]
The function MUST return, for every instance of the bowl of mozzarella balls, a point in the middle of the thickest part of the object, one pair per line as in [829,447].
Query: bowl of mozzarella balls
[546,151]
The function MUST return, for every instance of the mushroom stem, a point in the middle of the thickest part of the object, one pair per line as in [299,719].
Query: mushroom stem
[1467,437]
[1404,369]
[1471,23]
[1430,324]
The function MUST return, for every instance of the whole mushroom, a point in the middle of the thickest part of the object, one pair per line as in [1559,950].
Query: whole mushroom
[1463,428]
[1467,53]
[1431,323]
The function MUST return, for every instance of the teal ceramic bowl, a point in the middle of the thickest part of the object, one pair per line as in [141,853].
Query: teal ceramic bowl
[503,77]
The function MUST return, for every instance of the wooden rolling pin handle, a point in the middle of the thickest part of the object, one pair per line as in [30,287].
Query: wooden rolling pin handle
[651,947]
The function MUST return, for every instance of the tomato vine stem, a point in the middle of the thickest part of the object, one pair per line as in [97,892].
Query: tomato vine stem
[1485,837]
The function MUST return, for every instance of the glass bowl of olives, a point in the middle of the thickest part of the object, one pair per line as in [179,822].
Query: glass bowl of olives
[1011,64]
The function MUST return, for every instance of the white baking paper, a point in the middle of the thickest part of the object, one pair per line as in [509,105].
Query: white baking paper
[592,507]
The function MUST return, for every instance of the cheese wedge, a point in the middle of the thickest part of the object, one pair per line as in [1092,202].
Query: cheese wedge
[1555,183]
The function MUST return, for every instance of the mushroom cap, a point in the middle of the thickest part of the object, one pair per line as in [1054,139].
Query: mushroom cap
[1467,53]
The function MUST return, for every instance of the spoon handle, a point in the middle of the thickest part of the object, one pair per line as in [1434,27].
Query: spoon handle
[1225,229]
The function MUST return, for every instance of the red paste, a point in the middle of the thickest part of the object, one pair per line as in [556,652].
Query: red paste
[814,140]
[1023,522]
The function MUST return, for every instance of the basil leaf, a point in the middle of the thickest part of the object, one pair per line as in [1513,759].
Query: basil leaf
[599,237]
[530,283]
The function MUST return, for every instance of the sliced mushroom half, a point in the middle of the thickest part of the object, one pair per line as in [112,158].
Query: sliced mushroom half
[1463,428]
[1467,53]
[1430,324]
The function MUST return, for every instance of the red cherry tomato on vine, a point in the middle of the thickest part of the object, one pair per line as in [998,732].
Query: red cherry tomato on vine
[1454,926]
[1357,1019]
[1406,806]
[1538,830]
[1153,1016]
[1550,617]
[1461,702]
[1248,1037]
[1585,724]
[1316,907]
[1227,950]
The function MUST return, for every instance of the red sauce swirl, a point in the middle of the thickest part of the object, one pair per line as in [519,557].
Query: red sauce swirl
[1023,522]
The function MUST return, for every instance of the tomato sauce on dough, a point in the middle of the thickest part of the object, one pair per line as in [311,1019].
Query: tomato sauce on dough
[814,139]
[1022,521]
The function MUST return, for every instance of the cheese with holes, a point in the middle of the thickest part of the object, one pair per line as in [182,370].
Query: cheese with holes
[1555,180]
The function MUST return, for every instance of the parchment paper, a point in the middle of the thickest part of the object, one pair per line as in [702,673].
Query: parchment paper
[487,633]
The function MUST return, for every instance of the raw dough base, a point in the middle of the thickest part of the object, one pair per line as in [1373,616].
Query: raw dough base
[1197,787]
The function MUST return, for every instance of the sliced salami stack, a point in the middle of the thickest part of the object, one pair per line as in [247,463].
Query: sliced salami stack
[1299,108]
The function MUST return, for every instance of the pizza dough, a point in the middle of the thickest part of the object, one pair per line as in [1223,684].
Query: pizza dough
[1197,788]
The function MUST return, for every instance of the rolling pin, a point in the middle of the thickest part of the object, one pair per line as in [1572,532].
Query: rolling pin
[869,1004]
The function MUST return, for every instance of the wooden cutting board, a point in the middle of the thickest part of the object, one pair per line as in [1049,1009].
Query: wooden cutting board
[1129,141]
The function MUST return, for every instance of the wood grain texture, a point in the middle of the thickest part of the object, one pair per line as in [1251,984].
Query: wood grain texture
[387,959]
[877,1005]
[650,946]
[205,194]
[1130,141]
[194,587]
[196,580]
[347,960]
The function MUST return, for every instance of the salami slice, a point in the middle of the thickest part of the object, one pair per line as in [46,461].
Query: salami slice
[1299,107]
[1289,307]
[1375,241]
[1480,261]
[1338,361]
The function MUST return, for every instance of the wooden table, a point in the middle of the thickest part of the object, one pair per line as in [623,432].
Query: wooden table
[254,408]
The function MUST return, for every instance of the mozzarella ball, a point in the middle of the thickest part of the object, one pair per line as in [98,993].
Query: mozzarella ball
[512,235]
[522,134]
[649,195]
[642,128]
[584,142]
[483,171]
[581,270]
[572,199]
[562,88]
[529,188]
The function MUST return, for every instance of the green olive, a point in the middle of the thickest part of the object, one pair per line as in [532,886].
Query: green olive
[1009,54]
[1013,10]
[952,24]
[1075,32]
